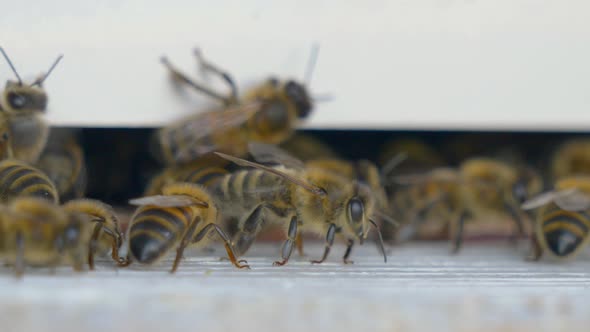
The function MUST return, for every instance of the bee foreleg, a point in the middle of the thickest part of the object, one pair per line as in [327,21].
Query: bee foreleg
[457,232]
[116,241]
[348,251]
[226,77]
[184,243]
[226,242]
[329,242]
[287,247]
[93,244]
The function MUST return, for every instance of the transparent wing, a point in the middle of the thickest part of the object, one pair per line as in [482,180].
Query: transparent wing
[300,182]
[191,134]
[167,201]
[272,154]
[576,201]
[548,197]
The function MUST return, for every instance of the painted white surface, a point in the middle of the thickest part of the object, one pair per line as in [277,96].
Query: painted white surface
[421,288]
[389,64]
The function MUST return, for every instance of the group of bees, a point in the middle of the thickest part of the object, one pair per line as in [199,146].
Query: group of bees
[237,170]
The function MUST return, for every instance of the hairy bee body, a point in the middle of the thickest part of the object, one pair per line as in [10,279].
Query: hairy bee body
[257,198]
[38,233]
[183,215]
[29,136]
[560,229]
[268,113]
[570,159]
[63,162]
[203,171]
[17,179]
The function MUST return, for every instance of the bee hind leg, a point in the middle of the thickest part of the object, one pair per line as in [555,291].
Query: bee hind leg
[225,76]
[19,265]
[536,251]
[184,243]
[226,242]
[348,251]
[329,242]
[519,231]
[299,245]
[249,229]
[287,248]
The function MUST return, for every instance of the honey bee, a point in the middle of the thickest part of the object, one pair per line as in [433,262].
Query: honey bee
[183,215]
[23,103]
[299,198]
[18,179]
[571,158]
[480,188]
[563,221]
[268,113]
[106,233]
[63,162]
[35,232]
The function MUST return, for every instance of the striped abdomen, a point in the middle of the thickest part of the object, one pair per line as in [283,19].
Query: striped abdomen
[205,176]
[564,231]
[18,179]
[154,230]
[248,188]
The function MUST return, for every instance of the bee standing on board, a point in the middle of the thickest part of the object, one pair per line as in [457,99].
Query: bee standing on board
[106,234]
[482,188]
[571,158]
[63,162]
[23,103]
[35,232]
[183,215]
[302,199]
[18,179]
[268,113]
[563,220]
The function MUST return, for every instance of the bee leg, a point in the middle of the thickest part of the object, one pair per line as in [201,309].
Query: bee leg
[226,242]
[519,232]
[184,243]
[246,236]
[180,77]
[287,247]
[536,250]
[348,251]
[299,245]
[115,245]
[225,76]
[329,242]
[458,233]
[19,265]
[93,244]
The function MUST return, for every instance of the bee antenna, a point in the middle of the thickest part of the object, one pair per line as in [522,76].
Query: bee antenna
[20,81]
[381,245]
[40,81]
[322,98]
[393,162]
[311,62]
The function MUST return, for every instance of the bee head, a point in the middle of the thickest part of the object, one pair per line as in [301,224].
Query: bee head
[298,95]
[19,98]
[358,211]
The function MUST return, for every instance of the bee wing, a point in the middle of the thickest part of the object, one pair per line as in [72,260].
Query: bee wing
[245,163]
[168,201]
[192,131]
[29,136]
[576,201]
[268,153]
[559,197]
